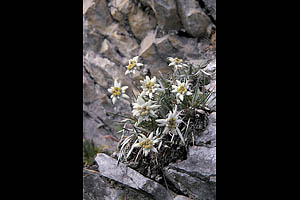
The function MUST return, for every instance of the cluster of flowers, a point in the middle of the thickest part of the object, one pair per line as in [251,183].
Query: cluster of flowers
[146,108]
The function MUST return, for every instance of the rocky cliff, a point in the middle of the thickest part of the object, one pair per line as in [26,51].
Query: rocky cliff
[114,31]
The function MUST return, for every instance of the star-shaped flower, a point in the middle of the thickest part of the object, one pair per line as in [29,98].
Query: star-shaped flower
[181,89]
[176,62]
[150,87]
[118,92]
[144,109]
[171,123]
[147,144]
[132,65]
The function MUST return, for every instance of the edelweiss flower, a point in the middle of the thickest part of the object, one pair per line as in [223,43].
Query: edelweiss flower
[133,63]
[176,62]
[150,87]
[147,143]
[181,89]
[118,92]
[171,123]
[143,110]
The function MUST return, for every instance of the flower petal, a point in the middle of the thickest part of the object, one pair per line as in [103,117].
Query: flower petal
[125,96]
[114,99]
[151,135]
[154,149]
[181,97]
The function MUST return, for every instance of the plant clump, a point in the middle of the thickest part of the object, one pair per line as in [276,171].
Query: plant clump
[166,115]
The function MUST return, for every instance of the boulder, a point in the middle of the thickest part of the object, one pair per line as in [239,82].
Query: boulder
[193,18]
[208,136]
[97,187]
[109,167]
[98,15]
[120,38]
[108,50]
[140,22]
[210,6]
[196,176]
[165,13]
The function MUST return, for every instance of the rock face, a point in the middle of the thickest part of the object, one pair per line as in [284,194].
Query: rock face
[97,187]
[141,23]
[196,176]
[193,18]
[114,31]
[211,7]
[208,136]
[109,168]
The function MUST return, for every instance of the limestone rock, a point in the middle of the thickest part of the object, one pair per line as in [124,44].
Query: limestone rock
[92,38]
[193,18]
[181,197]
[147,50]
[97,187]
[125,43]
[208,136]
[108,51]
[123,6]
[98,15]
[187,47]
[121,173]
[165,48]
[119,9]
[89,91]
[195,176]
[141,23]
[116,14]
[166,14]
[210,6]
[87,4]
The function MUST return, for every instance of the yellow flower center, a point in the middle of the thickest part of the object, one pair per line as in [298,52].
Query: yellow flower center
[116,91]
[182,89]
[172,123]
[131,64]
[177,60]
[149,85]
[146,144]
[144,110]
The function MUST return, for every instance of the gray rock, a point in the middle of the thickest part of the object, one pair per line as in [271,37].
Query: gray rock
[195,176]
[165,48]
[98,15]
[211,67]
[92,38]
[165,13]
[193,18]
[140,22]
[210,6]
[147,50]
[108,51]
[89,91]
[181,197]
[208,136]
[119,36]
[121,173]
[187,47]
[97,187]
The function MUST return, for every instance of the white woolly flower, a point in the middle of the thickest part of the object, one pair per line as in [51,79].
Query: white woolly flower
[118,92]
[144,109]
[150,87]
[133,63]
[181,89]
[147,143]
[171,124]
[176,62]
